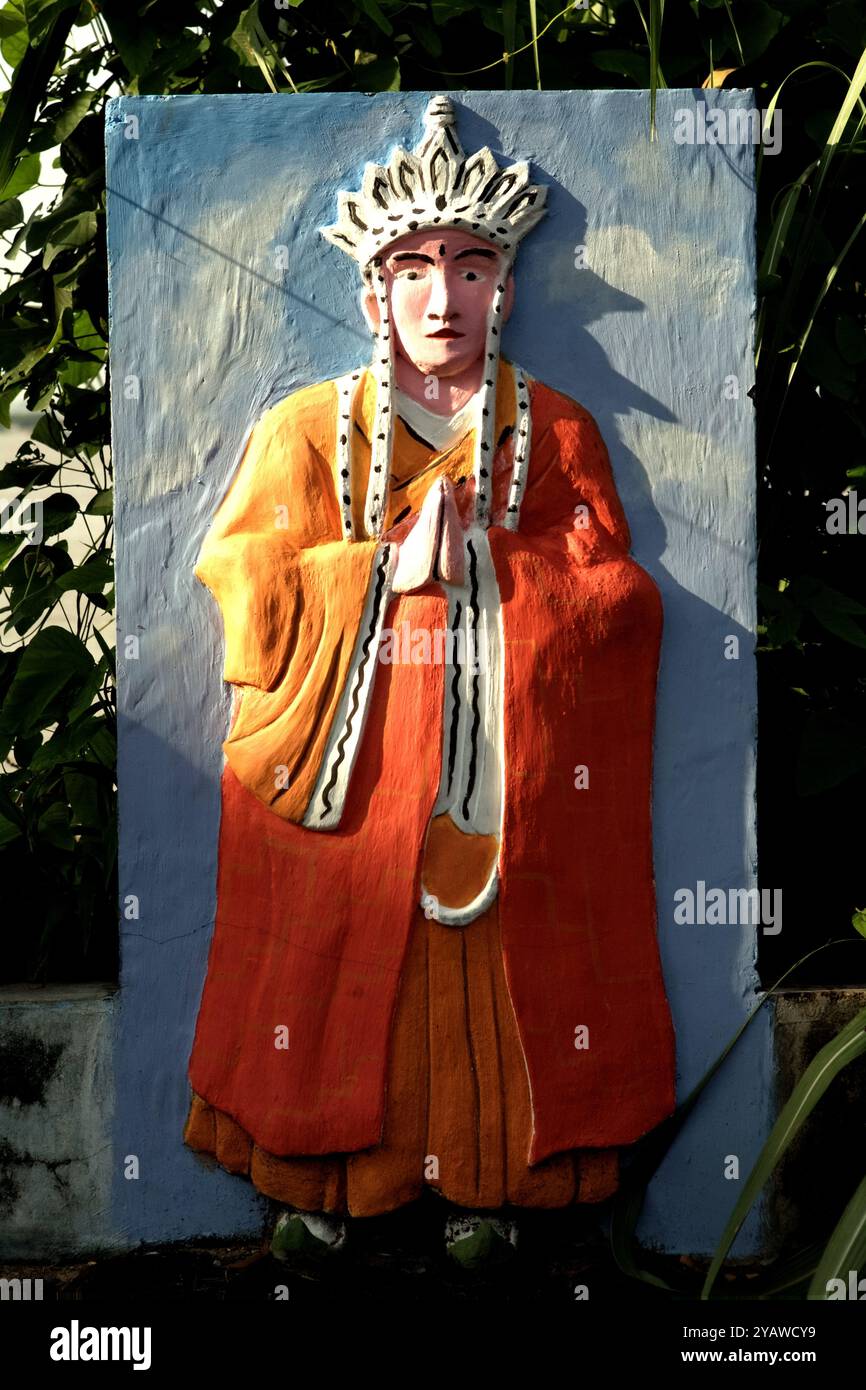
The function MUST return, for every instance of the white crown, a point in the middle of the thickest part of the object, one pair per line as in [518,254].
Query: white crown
[437,186]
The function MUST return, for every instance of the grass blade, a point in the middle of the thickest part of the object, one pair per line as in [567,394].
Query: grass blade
[828,280]
[509,32]
[776,245]
[730,15]
[846,1248]
[657,11]
[533,19]
[824,1067]
[858,82]
[649,1152]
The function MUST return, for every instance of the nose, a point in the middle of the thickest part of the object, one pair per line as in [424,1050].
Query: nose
[439,305]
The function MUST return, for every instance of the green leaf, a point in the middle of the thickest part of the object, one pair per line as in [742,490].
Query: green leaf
[372,9]
[14,40]
[8,831]
[80,196]
[76,232]
[103,745]
[107,652]
[40,14]
[53,826]
[102,503]
[9,543]
[66,744]
[858,921]
[134,40]
[318,84]
[58,513]
[23,177]
[380,75]
[51,659]
[11,213]
[82,793]
[835,611]
[33,71]
[82,702]
[89,578]
[78,373]
[757,26]
[12,19]
[842,627]
[47,431]
[6,401]
[620,60]
[70,114]
[21,349]
[247,39]
[849,1044]
[832,749]
[87,336]
[850,339]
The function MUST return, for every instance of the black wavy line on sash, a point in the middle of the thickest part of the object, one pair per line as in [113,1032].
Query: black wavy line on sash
[476,715]
[455,695]
[327,693]
[344,737]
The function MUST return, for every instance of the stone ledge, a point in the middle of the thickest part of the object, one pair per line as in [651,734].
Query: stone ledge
[56,1102]
[825,1163]
[54,994]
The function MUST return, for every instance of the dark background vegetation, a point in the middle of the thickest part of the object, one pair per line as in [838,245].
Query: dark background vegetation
[57,720]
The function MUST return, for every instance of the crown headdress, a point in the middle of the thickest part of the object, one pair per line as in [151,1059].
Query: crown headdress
[437,185]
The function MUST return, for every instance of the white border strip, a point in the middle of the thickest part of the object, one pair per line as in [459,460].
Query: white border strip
[325,807]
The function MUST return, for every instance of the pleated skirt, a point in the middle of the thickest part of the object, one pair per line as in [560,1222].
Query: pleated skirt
[458,1114]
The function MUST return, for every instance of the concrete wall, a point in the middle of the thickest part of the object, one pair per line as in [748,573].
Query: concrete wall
[56,1109]
[207,329]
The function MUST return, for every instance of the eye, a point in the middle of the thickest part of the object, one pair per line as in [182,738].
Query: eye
[471,275]
[408,273]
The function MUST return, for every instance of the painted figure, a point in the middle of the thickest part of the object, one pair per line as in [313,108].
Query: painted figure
[434,962]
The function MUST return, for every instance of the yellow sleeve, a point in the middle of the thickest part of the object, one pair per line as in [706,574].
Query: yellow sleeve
[292,593]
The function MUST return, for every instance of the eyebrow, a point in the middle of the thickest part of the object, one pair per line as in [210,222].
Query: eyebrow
[413,256]
[475,251]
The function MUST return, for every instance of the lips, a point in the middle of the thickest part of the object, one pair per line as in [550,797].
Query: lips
[445,333]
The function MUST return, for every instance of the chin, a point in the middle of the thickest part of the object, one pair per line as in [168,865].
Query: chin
[445,360]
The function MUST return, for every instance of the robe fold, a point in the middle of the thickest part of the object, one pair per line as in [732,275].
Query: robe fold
[333,766]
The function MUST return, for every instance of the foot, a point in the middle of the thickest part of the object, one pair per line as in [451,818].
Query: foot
[479,1241]
[307,1233]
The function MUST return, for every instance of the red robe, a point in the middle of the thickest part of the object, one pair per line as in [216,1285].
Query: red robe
[312,927]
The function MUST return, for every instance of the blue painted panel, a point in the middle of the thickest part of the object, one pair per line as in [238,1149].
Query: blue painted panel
[636,296]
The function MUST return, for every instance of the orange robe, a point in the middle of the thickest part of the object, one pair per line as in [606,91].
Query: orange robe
[422,1055]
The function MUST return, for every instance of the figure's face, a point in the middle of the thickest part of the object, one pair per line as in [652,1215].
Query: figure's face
[440,287]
